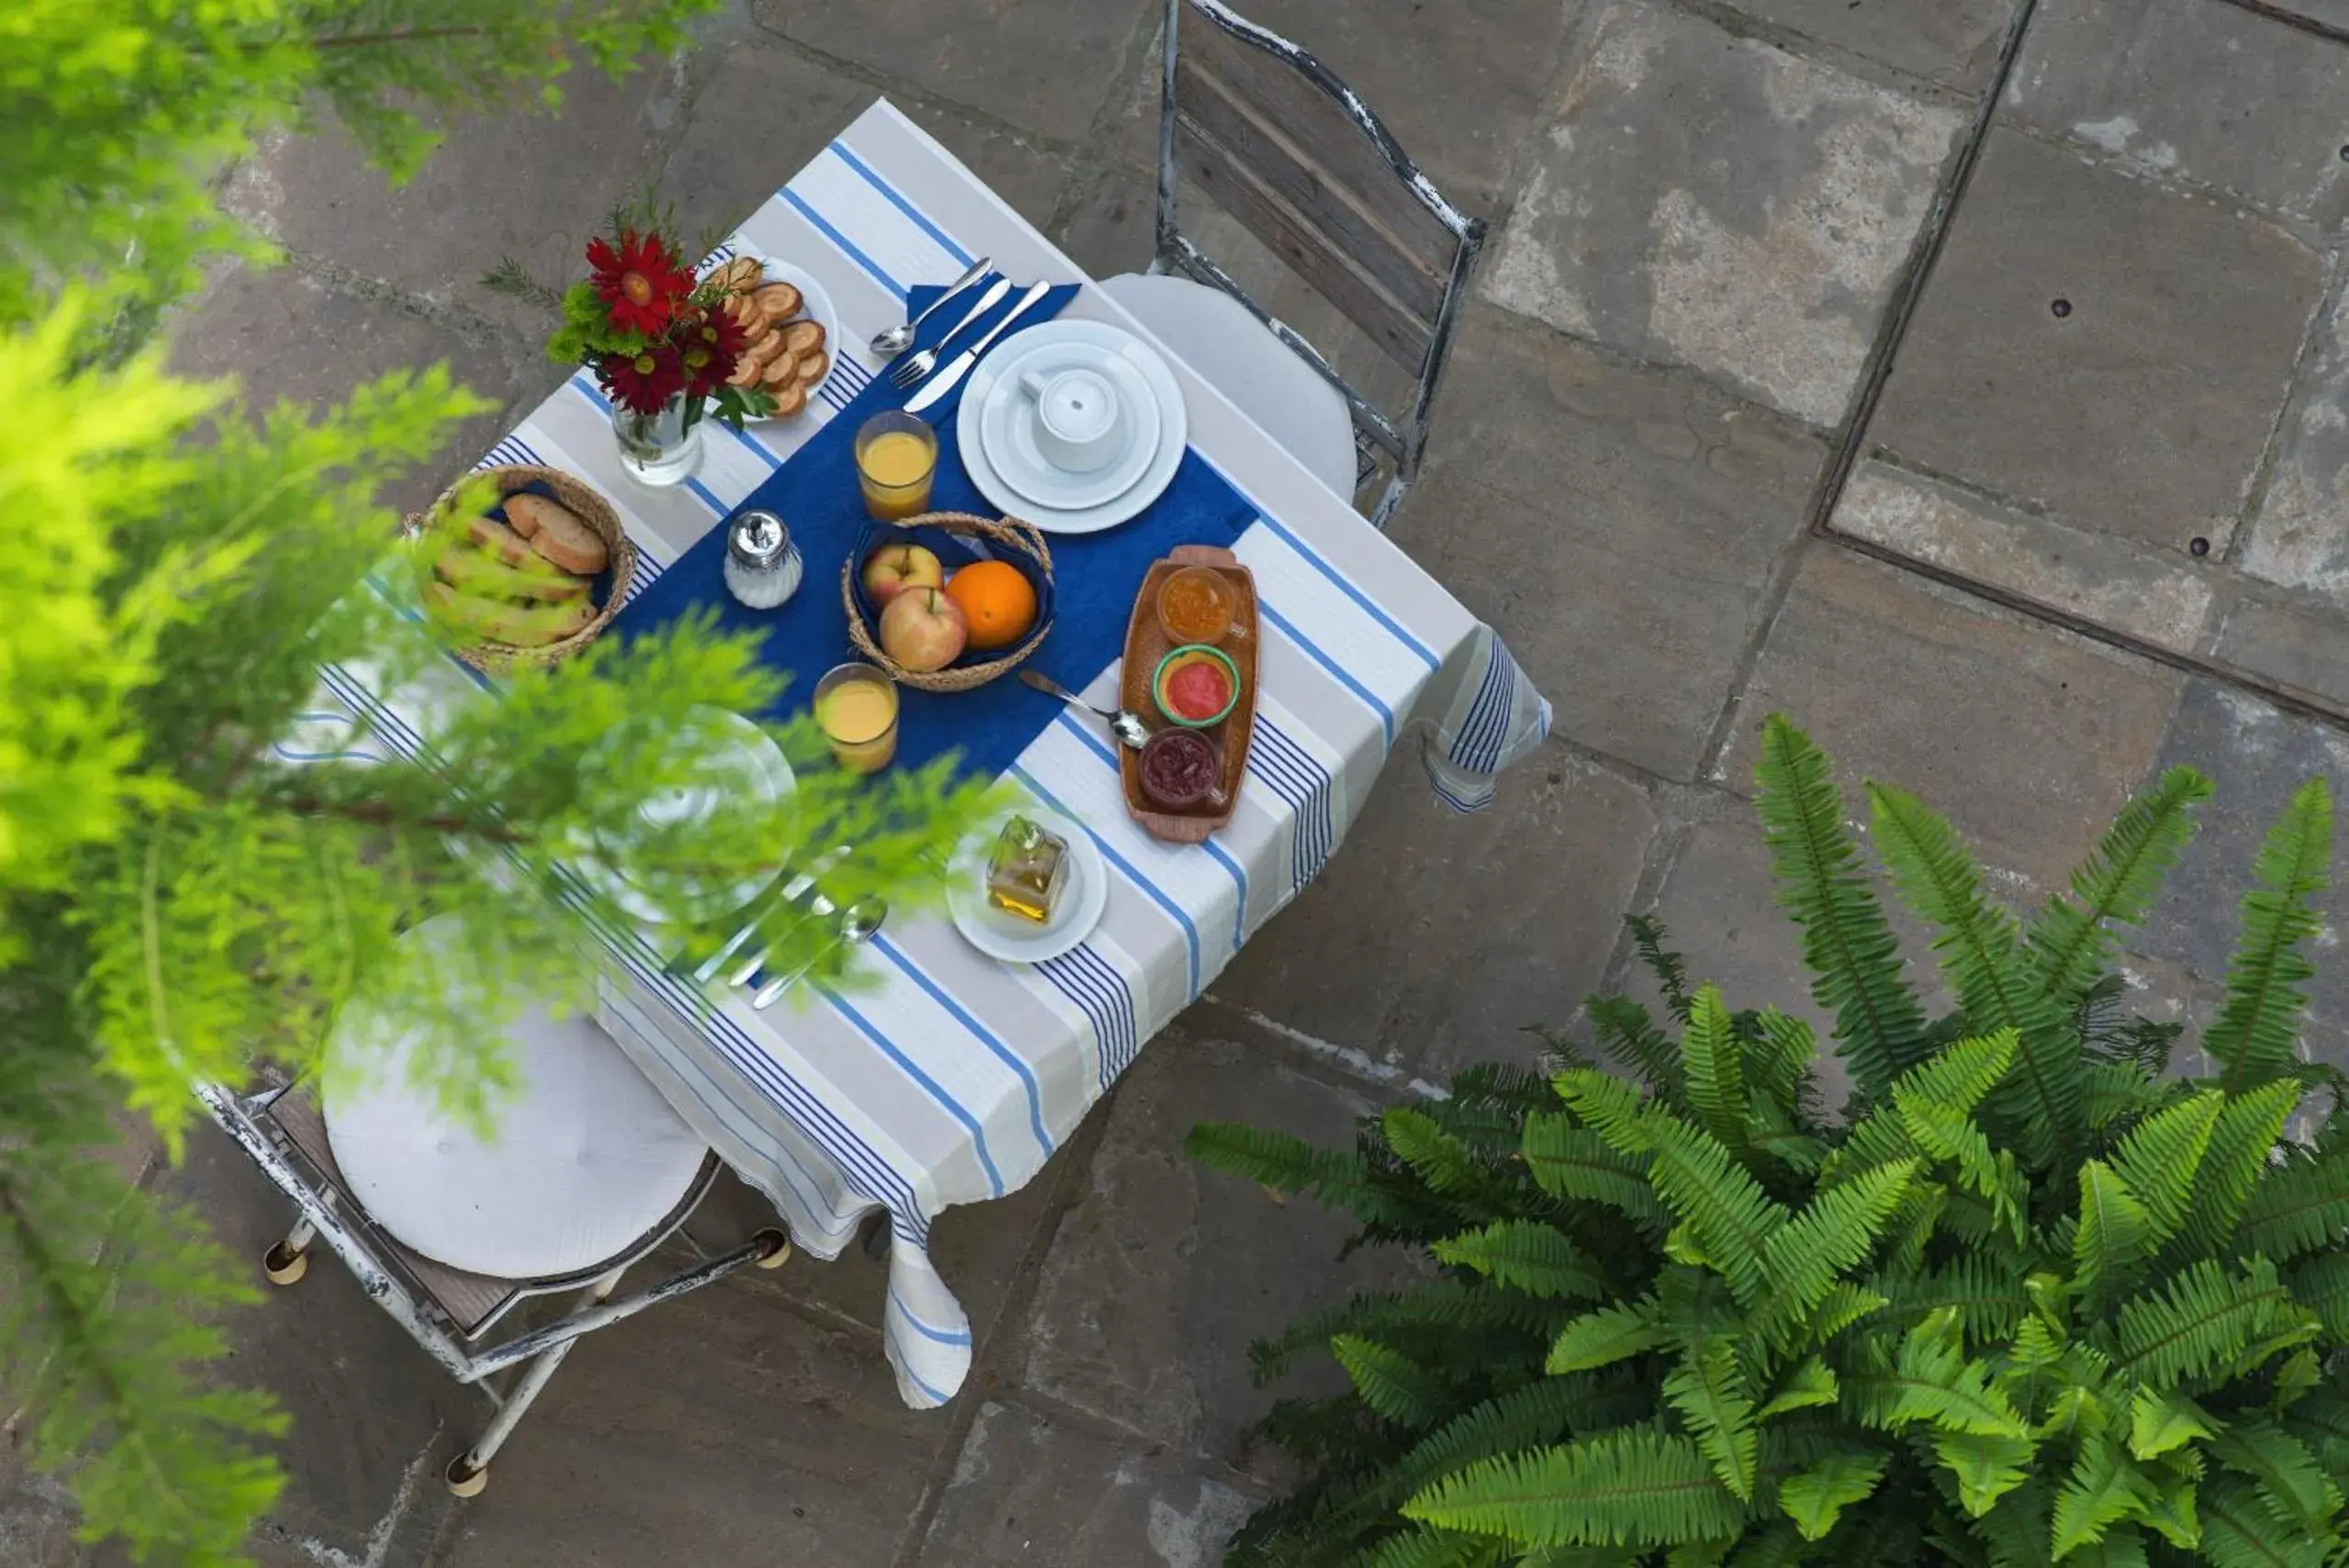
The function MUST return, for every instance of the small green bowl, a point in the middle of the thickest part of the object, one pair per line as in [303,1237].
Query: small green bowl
[1192,653]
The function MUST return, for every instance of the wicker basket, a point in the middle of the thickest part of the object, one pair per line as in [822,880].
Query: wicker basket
[590,508]
[1007,532]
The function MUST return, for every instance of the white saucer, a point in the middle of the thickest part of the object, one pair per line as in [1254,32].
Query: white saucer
[1007,936]
[815,305]
[1174,428]
[1007,430]
[761,765]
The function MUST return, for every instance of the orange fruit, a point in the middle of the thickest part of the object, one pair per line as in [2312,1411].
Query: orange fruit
[996,601]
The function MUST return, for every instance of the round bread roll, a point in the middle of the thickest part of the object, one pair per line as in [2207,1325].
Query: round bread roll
[811,367]
[789,399]
[764,348]
[778,301]
[803,336]
[746,313]
[747,372]
[780,371]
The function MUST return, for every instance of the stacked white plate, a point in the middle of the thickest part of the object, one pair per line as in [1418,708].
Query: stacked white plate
[995,427]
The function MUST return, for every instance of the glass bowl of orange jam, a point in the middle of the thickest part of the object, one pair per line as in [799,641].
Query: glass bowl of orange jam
[1196,604]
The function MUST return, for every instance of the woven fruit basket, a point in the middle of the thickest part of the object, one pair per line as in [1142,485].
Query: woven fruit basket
[962,539]
[607,591]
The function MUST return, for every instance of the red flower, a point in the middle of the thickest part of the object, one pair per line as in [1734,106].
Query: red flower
[645,381]
[643,282]
[713,346]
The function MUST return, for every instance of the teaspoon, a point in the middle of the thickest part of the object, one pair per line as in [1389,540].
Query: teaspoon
[1124,722]
[895,341]
[858,924]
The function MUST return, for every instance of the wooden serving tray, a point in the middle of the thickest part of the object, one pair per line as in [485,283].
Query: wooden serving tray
[1145,644]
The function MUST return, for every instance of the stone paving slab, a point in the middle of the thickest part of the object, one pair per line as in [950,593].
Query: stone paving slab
[2298,535]
[1717,202]
[1954,42]
[715,1428]
[2029,739]
[1047,65]
[1029,1491]
[2193,90]
[1162,1271]
[1377,953]
[247,322]
[2102,348]
[1556,469]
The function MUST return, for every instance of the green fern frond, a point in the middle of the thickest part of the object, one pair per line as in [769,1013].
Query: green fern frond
[1437,1307]
[1287,1164]
[2239,1530]
[1779,1057]
[2105,1488]
[2206,1318]
[1806,1256]
[1846,1304]
[2116,1093]
[2159,1422]
[1727,1213]
[2114,1235]
[1570,1161]
[1713,1064]
[1769,1130]
[1636,1487]
[1538,1258]
[2322,1285]
[1810,1383]
[1708,1389]
[2252,1039]
[2297,1207]
[1603,1338]
[1628,1034]
[2116,886]
[1390,1382]
[1816,1498]
[2290,1479]
[1931,1382]
[1438,1157]
[1540,1412]
[1982,956]
[1848,944]
[2321,1419]
[1648,937]
[1984,1467]
[2122,1547]
[2238,1156]
[2162,1155]
[1990,1299]
[1421,1547]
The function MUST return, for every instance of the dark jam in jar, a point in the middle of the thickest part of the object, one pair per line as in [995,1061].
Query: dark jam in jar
[1178,768]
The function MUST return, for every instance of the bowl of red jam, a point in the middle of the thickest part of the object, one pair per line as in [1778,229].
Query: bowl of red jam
[1179,769]
[1196,685]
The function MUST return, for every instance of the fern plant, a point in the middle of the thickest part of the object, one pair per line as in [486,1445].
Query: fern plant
[2029,1299]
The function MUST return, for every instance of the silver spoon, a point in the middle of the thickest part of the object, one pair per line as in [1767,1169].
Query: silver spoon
[897,340]
[858,924]
[1124,722]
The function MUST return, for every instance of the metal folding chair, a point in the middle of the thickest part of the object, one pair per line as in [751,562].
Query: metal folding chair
[1296,156]
[446,1310]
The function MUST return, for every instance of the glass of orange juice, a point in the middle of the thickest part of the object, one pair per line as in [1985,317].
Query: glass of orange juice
[896,456]
[855,705]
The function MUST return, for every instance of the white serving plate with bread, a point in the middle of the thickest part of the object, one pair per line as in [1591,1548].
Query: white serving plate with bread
[808,354]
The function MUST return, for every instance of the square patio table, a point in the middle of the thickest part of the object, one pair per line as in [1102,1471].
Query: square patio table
[956,1080]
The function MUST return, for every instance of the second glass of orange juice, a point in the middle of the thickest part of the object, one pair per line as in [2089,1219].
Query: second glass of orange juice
[896,456]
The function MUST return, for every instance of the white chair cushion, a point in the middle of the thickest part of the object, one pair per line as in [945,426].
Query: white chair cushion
[1238,355]
[586,1159]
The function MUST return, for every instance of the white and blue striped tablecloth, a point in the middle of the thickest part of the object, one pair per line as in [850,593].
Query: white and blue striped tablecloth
[955,1082]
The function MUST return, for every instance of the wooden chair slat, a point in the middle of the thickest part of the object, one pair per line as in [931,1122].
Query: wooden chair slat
[1395,326]
[1385,230]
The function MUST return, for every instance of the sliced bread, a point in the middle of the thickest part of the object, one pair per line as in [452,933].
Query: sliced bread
[502,621]
[491,535]
[528,513]
[570,543]
[472,569]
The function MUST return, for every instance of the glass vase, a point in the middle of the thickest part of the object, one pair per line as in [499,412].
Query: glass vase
[660,448]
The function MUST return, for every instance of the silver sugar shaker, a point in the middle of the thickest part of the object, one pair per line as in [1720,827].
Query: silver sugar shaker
[763,566]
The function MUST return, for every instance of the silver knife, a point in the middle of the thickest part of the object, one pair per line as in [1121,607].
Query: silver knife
[949,379]
[791,889]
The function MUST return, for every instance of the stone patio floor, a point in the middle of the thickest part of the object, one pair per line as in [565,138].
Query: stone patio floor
[1710,448]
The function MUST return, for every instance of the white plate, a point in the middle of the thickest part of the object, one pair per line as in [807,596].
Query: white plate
[1007,936]
[1174,427]
[815,305]
[761,760]
[1007,430]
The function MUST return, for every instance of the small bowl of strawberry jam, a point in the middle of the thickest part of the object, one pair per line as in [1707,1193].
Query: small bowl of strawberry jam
[1178,769]
[1196,685]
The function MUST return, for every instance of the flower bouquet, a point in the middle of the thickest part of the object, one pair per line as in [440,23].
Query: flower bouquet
[660,343]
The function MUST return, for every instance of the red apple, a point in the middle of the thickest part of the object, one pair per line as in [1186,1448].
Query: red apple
[893,568]
[924,630]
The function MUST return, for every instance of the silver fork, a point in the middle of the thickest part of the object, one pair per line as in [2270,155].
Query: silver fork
[791,891]
[923,364]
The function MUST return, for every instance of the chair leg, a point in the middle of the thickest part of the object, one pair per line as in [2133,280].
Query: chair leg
[468,1473]
[286,1262]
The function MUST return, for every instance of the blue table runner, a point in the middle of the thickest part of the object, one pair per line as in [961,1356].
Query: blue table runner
[1095,576]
